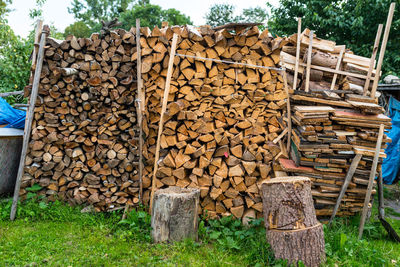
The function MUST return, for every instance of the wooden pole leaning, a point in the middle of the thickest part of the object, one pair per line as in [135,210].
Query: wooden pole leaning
[140,108]
[28,121]
[296,66]
[372,60]
[371,180]
[289,116]
[383,49]
[163,110]
[346,183]
[339,61]
[309,62]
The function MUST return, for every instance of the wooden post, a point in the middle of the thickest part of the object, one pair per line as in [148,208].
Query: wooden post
[289,115]
[371,180]
[296,67]
[372,60]
[383,49]
[175,214]
[337,67]
[346,183]
[309,62]
[140,108]
[28,122]
[163,110]
[38,32]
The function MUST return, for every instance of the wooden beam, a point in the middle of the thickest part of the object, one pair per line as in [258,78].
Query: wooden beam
[11,93]
[309,62]
[28,122]
[140,107]
[336,71]
[289,116]
[339,61]
[383,49]
[346,183]
[372,60]
[163,110]
[371,181]
[296,67]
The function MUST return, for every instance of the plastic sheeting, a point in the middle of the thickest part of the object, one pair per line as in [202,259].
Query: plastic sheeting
[390,166]
[14,118]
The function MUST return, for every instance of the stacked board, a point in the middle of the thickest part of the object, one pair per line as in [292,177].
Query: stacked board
[332,122]
[221,120]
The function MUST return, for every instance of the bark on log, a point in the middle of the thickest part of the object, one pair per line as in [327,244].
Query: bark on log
[287,203]
[306,245]
[175,214]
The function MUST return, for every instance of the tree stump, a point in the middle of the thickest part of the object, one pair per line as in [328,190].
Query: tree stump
[293,230]
[175,214]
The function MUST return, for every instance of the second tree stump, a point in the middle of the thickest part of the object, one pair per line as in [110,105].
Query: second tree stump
[293,230]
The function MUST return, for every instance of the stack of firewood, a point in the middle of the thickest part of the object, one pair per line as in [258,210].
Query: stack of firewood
[333,120]
[222,119]
[84,143]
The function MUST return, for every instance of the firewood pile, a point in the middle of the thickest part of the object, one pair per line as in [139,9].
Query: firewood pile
[334,118]
[83,145]
[222,119]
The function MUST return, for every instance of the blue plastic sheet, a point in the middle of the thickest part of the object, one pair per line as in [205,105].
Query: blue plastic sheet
[390,166]
[14,118]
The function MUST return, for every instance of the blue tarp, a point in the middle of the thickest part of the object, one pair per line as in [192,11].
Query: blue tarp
[390,166]
[14,118]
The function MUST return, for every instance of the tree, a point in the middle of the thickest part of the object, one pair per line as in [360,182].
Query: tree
[221,14]
[152,15]
[352,22]
[3,7]
[79,29]
[92,12]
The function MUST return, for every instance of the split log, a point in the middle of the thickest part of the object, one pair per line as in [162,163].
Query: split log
[175,214]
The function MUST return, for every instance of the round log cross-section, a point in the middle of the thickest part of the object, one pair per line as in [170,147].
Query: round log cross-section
[175,214]
[293,230]
[288,203]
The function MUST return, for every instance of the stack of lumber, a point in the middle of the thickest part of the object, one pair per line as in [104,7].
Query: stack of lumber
[332,122]
[222,119]
[345,88]
[83,146]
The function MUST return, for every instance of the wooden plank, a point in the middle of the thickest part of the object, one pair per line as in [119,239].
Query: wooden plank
[321,101]
[346,183]
[289,115]
[279,137]
[338,66]
[140,108]
[28,122]
[341,72]
[373,56]
[296,67]
[11,93]
[383,49]
[309,62]
[163,110]
[371,181]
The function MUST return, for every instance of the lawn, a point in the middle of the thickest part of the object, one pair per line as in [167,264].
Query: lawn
[56,234]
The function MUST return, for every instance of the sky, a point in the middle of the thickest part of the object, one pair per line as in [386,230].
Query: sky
[56,12]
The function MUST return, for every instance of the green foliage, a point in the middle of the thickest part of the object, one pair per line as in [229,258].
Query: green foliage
[152,15]
[92,12]
[14,61]
[79,29]
[353,23]
[137,225]
[221,14]
[3,7]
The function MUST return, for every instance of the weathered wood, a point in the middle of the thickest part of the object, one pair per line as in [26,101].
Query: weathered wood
[175,214]
[308,71]
[373,56]
[140,107]
[296,68]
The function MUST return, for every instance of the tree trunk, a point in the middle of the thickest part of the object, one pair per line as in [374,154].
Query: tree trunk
[175,214]
[292,227]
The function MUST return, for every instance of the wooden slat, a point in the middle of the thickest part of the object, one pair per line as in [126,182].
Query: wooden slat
[289,116]
[337,67]
[346,183]
[163,110]
[140,108]
[309,62]
[372,61]
[296,68]
[383,49]
[28,123]
[371,181]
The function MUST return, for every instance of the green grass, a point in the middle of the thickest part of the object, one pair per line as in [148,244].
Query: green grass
[55,234]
